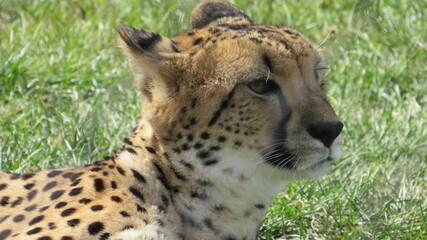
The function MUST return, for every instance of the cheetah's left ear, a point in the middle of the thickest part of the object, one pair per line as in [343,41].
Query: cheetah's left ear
[145,52]
[215,12]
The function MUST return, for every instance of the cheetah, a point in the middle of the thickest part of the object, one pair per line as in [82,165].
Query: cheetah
[233,111]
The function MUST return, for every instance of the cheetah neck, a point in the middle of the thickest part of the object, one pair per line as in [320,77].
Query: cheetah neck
[208,200]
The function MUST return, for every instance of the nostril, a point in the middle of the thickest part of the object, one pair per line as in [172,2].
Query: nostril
[326,132]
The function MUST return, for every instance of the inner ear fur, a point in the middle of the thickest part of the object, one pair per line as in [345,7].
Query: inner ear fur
[215,12]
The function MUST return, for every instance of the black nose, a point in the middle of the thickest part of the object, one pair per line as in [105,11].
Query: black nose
[326,132]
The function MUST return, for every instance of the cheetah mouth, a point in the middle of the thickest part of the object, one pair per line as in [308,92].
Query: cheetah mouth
[283,158]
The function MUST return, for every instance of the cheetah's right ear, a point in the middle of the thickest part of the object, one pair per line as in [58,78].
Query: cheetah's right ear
[216,12]
[145,52]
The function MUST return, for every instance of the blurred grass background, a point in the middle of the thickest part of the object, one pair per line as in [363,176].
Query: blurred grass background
[67,99]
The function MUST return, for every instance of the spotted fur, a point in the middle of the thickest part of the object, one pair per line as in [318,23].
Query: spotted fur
[233,111]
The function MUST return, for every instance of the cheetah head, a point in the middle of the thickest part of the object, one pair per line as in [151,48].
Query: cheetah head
[233,96]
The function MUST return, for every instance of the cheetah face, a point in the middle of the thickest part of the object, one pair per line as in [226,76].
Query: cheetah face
[250,91]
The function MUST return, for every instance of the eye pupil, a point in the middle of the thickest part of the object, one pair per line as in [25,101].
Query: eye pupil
[262,86]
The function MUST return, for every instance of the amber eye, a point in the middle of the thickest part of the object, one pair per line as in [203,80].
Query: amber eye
[262,86]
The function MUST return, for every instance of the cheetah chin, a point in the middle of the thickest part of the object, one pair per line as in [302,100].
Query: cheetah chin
[233,110]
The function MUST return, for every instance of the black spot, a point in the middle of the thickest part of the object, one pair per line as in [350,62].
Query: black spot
[237,143]
[137,193]
[44,238]
[132,227]
[138,176]
[72,176]
[43,208]
[99,185]
[30,208]
[75,191]
[210,162]
[18,218]
[239,27]
[51,225]
[121,171]
[187,164]
[75,183]
[185,147]
[49,186]
[190,137]
[208,223]
[17,202]
[203,154]
[68,212]
[2,219]
[97,208]
[85,200]
[190,33]
[113,184]
[73,222]
[67,238]
[255,40]
[95,227]
[131,150]
[197,41]
[28,186]
[124,214]
[27,176]
[116,199]
[151,150]
[56,194]
[34,231]
[96,169]
[5,233]
[165,200]
[140,209]
[53,173]
[198,145]
[205,135]
[36,220]
[4,201]
[127,141]
[215,148]
[105,236]
[15,176]
[60,205]
[31,195]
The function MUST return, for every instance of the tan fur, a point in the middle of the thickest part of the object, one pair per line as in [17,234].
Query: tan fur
[209,152]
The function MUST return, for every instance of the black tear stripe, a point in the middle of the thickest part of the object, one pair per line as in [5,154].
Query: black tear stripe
[279,156]
[267,62]
[223,106]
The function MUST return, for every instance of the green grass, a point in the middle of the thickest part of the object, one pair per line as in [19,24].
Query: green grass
[67,98]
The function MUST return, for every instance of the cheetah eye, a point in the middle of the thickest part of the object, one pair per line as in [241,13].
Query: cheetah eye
[317,73]
[262,86]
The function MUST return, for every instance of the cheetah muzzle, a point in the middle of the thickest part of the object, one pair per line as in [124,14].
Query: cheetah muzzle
[232,112]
